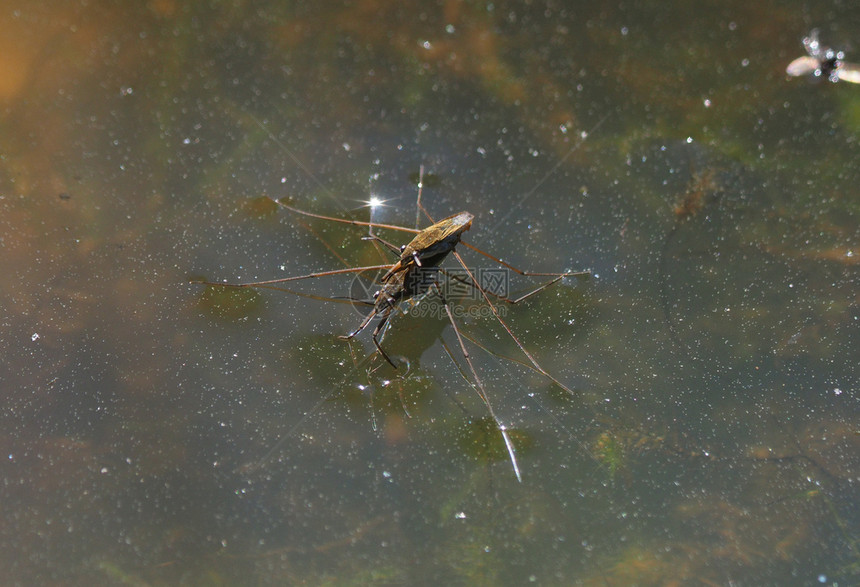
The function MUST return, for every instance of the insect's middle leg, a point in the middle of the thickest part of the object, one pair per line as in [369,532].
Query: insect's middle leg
[478,385]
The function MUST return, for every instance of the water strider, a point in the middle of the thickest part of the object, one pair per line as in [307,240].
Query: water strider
[414,274]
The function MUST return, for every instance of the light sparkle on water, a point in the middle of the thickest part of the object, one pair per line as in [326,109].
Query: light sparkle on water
[375,202]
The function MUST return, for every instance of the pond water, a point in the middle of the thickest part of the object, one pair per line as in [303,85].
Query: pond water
[703,426]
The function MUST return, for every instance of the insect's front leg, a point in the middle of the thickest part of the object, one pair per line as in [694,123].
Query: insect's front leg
[361,326]
[378,330]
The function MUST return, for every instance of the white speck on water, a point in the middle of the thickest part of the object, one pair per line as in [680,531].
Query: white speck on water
[460,515]
[35,337]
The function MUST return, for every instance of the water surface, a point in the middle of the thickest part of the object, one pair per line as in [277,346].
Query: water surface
[158,432]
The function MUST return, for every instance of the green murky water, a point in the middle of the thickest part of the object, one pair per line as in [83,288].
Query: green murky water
[157,432]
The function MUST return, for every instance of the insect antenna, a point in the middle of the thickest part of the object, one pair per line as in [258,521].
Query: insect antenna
[419,207]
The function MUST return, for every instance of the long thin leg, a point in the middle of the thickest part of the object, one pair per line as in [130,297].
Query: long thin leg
[294,278]
[384,315]
[479,388]
[505,298]
[520,271]
[361,326]
[376,335]
[522,348]
[346,221]
[301,294]
[534,398]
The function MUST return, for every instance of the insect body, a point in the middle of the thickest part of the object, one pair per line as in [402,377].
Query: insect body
[432,245]
[415,271]
[822,61]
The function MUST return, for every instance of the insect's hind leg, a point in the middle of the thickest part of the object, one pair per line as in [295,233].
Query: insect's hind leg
[479,387]
[504,298]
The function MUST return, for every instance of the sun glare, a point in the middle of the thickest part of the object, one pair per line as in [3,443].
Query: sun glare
[375,202]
